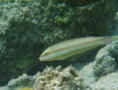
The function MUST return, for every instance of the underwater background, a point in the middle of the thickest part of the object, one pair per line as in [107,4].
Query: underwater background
[28,27]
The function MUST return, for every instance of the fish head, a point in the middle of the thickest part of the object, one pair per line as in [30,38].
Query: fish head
[48,55]
[44,56]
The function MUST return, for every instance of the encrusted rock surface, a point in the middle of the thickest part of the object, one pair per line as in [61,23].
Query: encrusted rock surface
[22,81]
[106,59]
[58,79]
[103,82]
[108,82]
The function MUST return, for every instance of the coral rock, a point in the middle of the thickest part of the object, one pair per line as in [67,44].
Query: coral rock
[58,79]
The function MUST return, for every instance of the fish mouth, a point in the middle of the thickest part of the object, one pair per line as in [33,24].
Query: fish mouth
[43,58]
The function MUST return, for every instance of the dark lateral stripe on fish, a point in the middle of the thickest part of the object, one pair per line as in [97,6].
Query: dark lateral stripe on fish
[58,50]
[75,46]
[72,53]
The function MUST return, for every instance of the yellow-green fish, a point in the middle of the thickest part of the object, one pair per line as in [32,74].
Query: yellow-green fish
[72,47]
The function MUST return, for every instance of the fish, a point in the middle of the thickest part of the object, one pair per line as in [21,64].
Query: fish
[68,48]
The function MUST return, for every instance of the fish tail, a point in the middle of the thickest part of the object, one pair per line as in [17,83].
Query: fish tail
[109,39]
[114,38]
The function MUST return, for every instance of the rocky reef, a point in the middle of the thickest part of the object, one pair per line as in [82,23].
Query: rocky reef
[100,74]
[69,78]
[27,27]
[51,79]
